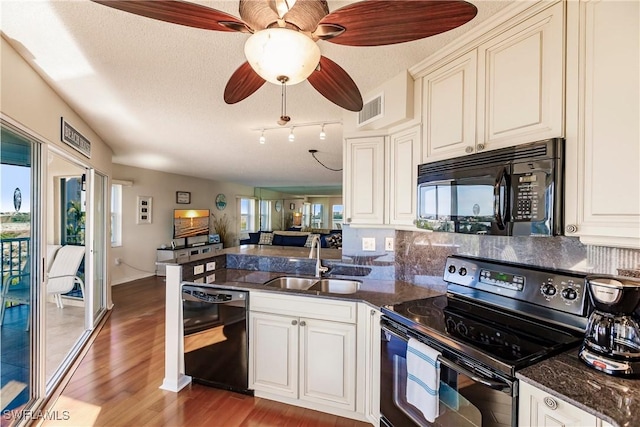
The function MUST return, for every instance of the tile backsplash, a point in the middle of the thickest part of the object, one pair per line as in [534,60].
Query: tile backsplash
[419,256]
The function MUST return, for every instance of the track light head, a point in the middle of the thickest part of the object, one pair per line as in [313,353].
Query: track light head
[323,135]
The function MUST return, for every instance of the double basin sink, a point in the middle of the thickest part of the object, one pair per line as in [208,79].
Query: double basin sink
[335,286]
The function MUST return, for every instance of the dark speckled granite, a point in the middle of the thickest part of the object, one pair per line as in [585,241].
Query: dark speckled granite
[377,293]
[615,400]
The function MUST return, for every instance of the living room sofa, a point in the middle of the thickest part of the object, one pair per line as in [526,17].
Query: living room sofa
[297,238]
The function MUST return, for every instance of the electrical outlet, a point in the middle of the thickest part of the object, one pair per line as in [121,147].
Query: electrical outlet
[198,269]
[211,266]
[118,261]
[369,244]
[388,243]
[211,278]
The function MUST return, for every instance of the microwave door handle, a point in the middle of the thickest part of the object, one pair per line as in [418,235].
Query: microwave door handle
[497,200]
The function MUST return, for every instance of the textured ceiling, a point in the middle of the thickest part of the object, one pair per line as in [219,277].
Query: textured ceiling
[153,91]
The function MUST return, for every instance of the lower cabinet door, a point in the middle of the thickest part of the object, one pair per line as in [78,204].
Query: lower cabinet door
[327,363]
[539,409]
[273,360]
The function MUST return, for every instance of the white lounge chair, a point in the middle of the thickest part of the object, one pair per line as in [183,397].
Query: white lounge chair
[62,275]
[16,288]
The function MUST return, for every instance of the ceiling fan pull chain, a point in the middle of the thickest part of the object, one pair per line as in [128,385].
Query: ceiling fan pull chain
[284,119]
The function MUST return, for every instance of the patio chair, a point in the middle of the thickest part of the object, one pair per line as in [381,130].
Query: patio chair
[62,275]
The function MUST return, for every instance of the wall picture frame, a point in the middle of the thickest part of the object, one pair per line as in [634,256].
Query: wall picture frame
[292,206]
[183,197]
[144,214]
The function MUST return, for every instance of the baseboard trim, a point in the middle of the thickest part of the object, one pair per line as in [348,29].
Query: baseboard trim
[131,278]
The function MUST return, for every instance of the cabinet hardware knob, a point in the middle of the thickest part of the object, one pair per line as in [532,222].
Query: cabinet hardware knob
[551,403]
[469,149]
[571,228]
[480,147]
[303,323]
[373,312]
[294,322]
[348,220]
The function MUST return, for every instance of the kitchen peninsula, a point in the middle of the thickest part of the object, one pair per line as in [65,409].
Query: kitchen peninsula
[563,377]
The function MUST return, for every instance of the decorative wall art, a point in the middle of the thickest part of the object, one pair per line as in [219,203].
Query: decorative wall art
[221,202]
[183,197]
[144,210]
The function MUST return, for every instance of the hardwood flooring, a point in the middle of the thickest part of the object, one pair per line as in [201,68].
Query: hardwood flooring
[116,382]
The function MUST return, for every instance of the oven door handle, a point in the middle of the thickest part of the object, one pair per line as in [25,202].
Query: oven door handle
[495,385]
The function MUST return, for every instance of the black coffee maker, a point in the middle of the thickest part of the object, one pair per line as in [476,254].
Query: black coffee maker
[612,340]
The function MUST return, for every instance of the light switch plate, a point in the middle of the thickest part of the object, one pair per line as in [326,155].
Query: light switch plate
[211,266]
[388,243]
[369,244]
[198,269]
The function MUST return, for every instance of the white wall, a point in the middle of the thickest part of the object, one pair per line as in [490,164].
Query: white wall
[140,241]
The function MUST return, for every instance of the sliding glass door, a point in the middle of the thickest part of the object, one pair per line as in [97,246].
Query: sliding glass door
[19,174]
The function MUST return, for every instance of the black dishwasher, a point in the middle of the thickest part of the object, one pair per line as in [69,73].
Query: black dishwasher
[216,343]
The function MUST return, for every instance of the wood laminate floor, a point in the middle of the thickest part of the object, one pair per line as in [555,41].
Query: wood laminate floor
[116,383]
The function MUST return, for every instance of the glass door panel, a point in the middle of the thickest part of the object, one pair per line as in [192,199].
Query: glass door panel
[67,310]
[99,244]
[19,273]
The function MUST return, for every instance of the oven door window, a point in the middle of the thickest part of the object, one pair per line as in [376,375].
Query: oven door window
[470,204]
[463,401]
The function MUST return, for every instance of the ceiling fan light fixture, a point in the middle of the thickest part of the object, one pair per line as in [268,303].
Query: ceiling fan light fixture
[276,52]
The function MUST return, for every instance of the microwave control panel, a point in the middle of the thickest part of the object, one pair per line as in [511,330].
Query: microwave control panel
[529,196]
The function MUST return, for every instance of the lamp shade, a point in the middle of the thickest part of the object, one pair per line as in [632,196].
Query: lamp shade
[276,52]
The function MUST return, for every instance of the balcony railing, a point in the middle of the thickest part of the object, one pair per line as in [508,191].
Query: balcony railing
[15,256]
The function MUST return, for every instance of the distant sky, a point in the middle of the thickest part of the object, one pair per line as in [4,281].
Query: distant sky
[12,177]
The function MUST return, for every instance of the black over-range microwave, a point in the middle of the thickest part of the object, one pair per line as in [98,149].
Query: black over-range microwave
[514,191]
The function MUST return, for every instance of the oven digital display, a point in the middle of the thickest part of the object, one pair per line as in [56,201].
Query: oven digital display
[502,280]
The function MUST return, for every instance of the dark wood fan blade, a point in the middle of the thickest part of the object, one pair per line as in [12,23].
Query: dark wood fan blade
[179,12]
[242,83]
[336,85]
[383,22]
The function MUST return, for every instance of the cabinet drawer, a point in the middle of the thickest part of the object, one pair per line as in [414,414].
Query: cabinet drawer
[314,308]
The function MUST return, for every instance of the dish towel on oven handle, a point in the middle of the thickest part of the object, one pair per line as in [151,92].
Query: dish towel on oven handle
[423,378]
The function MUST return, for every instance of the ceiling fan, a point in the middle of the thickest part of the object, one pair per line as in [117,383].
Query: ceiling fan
[282,48]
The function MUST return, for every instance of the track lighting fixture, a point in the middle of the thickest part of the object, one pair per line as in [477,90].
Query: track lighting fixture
[292,137]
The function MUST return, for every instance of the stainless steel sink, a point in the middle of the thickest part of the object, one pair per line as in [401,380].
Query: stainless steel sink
[336,286]
[290,282]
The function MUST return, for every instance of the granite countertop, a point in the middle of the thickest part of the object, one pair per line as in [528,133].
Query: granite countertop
[374,292]
[613,399]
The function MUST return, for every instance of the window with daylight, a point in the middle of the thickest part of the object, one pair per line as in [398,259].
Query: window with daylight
[247,215]
[116,215]
[265,215]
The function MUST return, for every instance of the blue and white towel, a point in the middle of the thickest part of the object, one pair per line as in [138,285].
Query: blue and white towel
[423,378]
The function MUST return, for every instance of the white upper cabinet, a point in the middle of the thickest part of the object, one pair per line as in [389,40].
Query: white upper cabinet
[603,134]
[506,91]
[520,82]
[364,180]
[449,108]
[404,158]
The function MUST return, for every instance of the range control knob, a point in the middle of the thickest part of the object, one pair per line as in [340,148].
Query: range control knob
[451,269]
[548,289]
[462,329]
[462,271]
[569,294]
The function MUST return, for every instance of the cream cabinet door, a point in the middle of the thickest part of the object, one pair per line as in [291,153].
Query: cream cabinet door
[327,363]
[364,180]
[520,82]
[273,355]
[404,158]
[449,109]
[539,409]
[603,136]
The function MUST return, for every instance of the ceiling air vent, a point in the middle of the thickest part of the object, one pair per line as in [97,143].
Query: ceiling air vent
[371,111]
